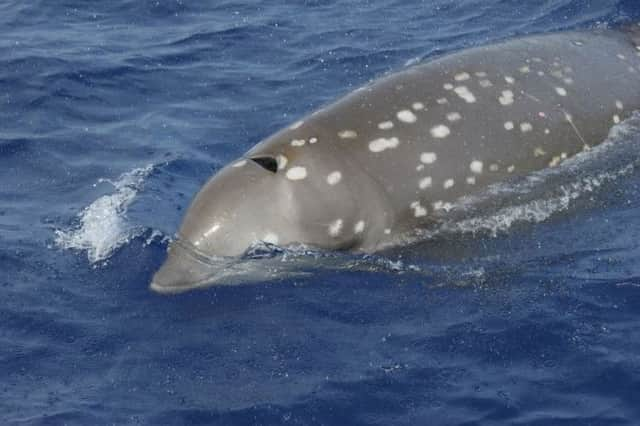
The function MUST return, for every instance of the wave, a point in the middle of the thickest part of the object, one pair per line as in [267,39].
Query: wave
[102,227]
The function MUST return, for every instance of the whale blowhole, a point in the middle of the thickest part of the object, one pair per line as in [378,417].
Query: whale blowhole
[267,163]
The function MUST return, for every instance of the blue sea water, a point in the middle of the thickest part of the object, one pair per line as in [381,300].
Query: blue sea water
[112,114]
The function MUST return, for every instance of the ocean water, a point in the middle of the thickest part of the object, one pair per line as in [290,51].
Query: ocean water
[112,114]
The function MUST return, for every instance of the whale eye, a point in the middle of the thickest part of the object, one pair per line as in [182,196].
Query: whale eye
[267,163]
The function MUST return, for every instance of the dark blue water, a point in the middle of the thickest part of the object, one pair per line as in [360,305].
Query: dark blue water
[112,114]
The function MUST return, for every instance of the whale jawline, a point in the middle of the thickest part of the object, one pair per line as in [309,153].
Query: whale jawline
[183,270]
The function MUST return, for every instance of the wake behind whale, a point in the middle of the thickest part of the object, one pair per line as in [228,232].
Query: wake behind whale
[429,149]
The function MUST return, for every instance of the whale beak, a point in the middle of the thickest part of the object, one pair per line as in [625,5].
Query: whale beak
[181,271]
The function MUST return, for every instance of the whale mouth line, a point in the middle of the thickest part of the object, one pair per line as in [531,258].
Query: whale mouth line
[192,250]
[176,289]
[185,268]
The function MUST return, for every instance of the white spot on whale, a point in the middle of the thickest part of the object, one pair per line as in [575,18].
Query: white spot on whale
[428,157]
[313,140]
[418,209]
[359,227]
[476,166]
[440,131]
[481,74]
[557,74]
[465,93]
[298,142]
[441,205]
[485,83]
[454,116]
[471,180]
[385,125]
[425,182]
[418,106]
[334,177]
[270,238]
[526,127]
[616,119]
[494,167]
[525,69]
[239,163]
[296,125]
[381,144]
[511,168]
[406,116]
[561,91]
[347,134]
[297,173]
[335,228]
[554,162]
[442,101]
[539,152]
[509,79]
[463,76]
[619,105]
[448,86]
[509,125]
[282,161]
[506,98]
[448,183]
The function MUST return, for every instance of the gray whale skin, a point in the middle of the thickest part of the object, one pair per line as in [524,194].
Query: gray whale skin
[392,156]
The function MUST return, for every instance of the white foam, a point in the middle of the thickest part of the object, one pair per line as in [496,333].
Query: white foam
[413,61]
[103,226]
[545,193]
[534,211]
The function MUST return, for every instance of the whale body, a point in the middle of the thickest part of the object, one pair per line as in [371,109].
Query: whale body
[392,157]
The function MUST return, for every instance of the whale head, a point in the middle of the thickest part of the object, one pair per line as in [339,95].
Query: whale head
[282,197]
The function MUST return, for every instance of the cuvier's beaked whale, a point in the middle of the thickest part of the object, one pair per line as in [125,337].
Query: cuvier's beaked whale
[392,156]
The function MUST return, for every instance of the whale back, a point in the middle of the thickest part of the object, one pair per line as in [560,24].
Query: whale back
[435,132]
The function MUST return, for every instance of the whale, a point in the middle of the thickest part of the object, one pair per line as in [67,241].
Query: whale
[393,156]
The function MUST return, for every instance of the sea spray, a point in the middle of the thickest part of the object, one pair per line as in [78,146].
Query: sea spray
[102,226]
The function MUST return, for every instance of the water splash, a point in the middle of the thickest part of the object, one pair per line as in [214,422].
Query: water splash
[534,211]
[540,195]
[102,226]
